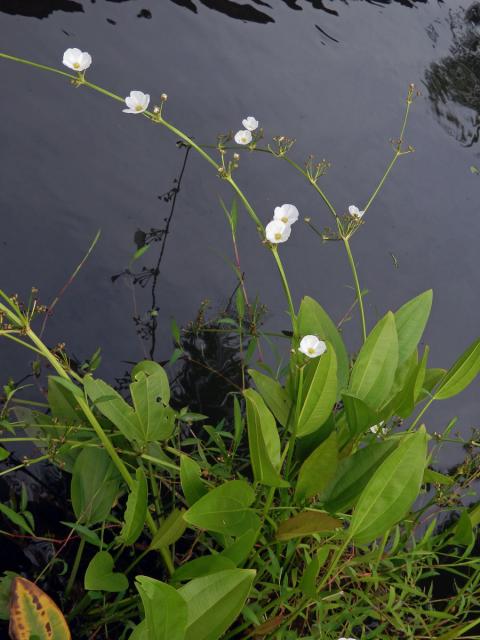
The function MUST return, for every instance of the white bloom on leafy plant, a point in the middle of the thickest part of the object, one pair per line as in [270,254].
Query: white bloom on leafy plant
[355,211]
[243,137]
[287,213]
[277,231]
[379,428]
[312,347]
[346,639]
[137,102]
[76,59]
[250,123]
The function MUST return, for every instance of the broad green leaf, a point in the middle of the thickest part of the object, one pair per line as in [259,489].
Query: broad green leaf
[434,477]
[204,566]
[353,475]
[307,523]
[319,392]
[411,320]
[391,490]
[318,470]
[63,403]
[152,368]
[474,515]
[313,320]
[360,417]
[407,398]
[432,378]
[308,583]
[33,614]
[240,549]
[136,511]
[215,601]
[193,486]
[170,530]
[225,509]
[165,610]
[374,370]
[462,373]
[274,395]
[113,406]
[156,421]
[94,487]
[463,531]
[263,440]
[100,576]
[16,518]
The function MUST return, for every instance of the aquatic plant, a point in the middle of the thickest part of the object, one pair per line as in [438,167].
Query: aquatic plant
[314,511]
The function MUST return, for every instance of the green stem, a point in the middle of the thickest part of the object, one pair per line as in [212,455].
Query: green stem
[286,288]
[293,436]
[76,565]
[357,286]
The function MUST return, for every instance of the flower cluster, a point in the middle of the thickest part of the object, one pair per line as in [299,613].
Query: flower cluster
[244,136]
[279,229]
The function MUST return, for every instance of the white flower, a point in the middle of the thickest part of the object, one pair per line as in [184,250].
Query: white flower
[277,231]
[379,428]
[250,123]
[312,347]
[243,137]
[346,639]
[355,211]
[137,102]
[76,59]
[287,213]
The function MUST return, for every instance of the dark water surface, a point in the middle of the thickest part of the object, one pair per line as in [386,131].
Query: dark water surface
[331,74]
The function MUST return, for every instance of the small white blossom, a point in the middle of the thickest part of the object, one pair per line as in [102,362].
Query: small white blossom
[76,59]
[250,123]
[346,639]
[287,213]
[312,347]
[379,428]
[277,231]
[137,102]
[243,137]
[355,211]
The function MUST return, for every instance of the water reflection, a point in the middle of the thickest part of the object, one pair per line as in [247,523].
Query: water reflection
[453,83]
[39,8]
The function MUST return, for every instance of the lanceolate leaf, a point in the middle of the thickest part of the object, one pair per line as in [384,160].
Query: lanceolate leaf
[374,370]
[319,392]
[33,614]
[136,511]
[274,395]
[318,470]
[214,602]
[203,566]
[190,478]
[113,406]
[225,509]
[263,440]
[392,489]
[462,373]
[165,610]
[360,416]
[171,530]
[306,524]
[410,321]
[313,320]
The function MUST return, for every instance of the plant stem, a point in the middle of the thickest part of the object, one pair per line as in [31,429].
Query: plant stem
[76,565]
[286,288]
[357,286]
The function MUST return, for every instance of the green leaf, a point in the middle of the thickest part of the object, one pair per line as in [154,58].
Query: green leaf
[275,396]
[136,511]
[455,633]
[215,601]
[16,518]
[353,475]
[308,583]
[156,421]
[171,530]
[374,370]
[204,566]
[113,406]
[100,576]
[90,536]
[434,477]
[165,610]
[411,320]
[94,487]
[307,523]
[432,378]
[225,509]
[5,590]
[263,440]
[463,532]
[3,454]
[63,403]
[360,417]
[191,480]
[461,374]
[319,392]
[318,470]
[240,549]
[152,368]
[313,320]
[391,490]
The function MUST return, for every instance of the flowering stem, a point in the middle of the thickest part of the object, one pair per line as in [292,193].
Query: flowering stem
[357,286]
[287,290]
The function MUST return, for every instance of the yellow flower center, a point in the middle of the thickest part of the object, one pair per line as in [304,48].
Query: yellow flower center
[311,350]
[278,236]
[76,65]
[284,219]
[139,107]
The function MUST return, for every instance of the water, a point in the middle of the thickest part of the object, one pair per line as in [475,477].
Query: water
[331,74]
